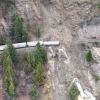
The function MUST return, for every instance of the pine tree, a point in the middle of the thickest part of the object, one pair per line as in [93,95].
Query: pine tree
[44,56]
[39,47]
[24,35]
[20,31]
[11,88]
[11,50]
[30,59]
[38,33]
[18,27]
[23,58]
[33,93]
[8,71]
[73,92]
[38,58]
[39,76]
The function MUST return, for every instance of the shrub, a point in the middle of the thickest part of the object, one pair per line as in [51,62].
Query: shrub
[39,76]
[92,2]
[89,56]
[97,78]
[60,23]
[73,92]
[83,44]
[38,33]
[97,43]
[11,50]
[33,93]
[13,97]
[99,5]
[86,1]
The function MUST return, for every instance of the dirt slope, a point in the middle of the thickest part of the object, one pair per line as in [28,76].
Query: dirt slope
[80,22]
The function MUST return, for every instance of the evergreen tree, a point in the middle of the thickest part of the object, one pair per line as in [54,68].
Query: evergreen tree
[44,56]
[20,31]
[24,36]
[11,50]
[11,88]
[8,71]
[38,58]
[30,59]
[39,47]
[73,92]
[33,93]
[38,33]
[89,56]
[23,58]
[0,40]
[18,27]
[40,55]
[39,76]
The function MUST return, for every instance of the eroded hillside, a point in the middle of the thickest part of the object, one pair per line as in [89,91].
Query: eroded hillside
[67,62]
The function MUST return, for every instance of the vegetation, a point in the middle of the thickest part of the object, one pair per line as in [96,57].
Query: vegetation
[27,62]
[24,35]
[38,58]
[23,60]
[6,3]
[60,23]
[38,33]
[97,43]
[30,59]
[8,71]
[97,78]
[92,2]
[86,1]
[11,50]
[2,2]
[99,5]
[20,31]
[40,55]
[73,92]
[33,93]
[39,76]
[83,44]
[44,56]
[3,40]
[89,56]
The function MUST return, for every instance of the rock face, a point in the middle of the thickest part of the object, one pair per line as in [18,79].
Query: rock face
[47,14]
